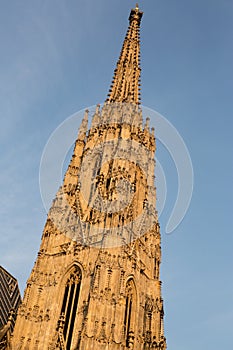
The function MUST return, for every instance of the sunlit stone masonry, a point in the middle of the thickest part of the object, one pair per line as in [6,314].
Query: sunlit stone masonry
[95,283]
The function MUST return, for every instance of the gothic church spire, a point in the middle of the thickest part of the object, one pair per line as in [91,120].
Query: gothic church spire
[125,84]
[96,281]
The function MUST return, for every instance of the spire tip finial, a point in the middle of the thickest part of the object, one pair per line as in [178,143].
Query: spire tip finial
[137,7]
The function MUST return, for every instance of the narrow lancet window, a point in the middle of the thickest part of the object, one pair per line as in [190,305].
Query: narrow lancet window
[130,305]
[69,307]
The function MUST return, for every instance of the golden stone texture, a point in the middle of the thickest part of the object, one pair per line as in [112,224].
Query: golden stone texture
[95,283]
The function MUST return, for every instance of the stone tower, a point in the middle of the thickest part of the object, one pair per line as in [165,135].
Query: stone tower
[95,283]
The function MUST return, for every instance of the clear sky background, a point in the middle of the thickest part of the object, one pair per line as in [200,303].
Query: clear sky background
[57,57]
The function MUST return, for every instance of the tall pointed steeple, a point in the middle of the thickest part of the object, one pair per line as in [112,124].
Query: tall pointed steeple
[96,281]
[125,84]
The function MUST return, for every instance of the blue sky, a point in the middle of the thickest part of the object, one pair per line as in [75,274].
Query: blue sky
[57,57]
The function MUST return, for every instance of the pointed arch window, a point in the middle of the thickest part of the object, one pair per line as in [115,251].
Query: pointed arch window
[130,305]
[69,307]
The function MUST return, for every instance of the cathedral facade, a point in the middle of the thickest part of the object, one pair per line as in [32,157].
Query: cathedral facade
[96,283]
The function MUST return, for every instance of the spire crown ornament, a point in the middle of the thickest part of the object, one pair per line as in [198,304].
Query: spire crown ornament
[135,14]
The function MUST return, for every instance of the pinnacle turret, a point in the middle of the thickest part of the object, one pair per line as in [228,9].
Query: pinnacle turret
[84,126]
